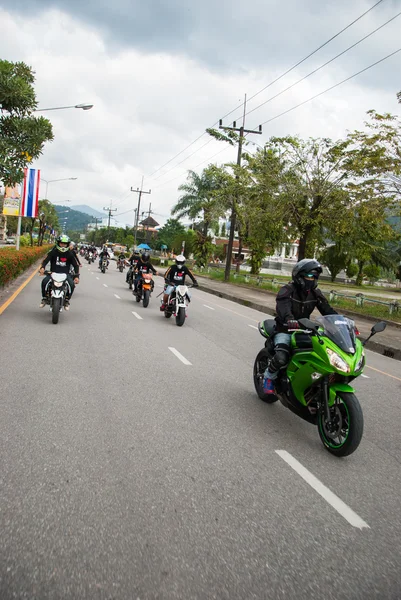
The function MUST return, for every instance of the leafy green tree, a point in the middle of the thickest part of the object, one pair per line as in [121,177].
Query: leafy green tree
[335,259]
[22,135]
[372,272]
[223,231]
[48,217]
[203,249]
[198,199]
[169,233]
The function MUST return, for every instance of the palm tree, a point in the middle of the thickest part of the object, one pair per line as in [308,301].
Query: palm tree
[198,199]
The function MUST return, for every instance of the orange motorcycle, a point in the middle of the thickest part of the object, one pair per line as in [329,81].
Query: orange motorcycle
[144,288]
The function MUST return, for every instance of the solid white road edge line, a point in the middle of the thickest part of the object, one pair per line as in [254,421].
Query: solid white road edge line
[253,326]
[118,297]
[136,315]
[209,307]
[334,501]
[179,356]
[105,285]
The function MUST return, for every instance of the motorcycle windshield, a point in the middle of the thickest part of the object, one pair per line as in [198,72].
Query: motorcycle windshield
[340,330]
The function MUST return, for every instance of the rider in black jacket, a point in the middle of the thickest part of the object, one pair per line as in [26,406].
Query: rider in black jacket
[61,258]
[175,275]
[143,266]
[294,301]
[133,260]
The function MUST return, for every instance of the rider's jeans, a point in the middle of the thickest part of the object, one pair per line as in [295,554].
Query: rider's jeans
[279,338]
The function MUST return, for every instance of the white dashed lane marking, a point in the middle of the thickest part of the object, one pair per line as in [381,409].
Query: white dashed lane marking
[118,297]
[105,285]
[209,307]
[137,316]
[334,501]
[253,326]
[179,356]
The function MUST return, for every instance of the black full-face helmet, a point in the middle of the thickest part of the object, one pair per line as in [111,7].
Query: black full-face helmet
[145,257]
[306,272]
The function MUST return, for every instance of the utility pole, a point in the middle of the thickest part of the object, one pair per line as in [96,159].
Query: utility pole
[109,210]
[96,220]
[233,218]
[140,192]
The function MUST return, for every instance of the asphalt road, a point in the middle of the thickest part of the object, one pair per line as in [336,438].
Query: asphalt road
[129,474]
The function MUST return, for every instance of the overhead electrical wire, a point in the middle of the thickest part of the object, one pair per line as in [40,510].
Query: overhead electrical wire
[303,103]
[266,87]
[322,66]
[332,87]
[292,86]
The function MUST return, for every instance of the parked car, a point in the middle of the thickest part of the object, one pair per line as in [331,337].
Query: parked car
[10,241]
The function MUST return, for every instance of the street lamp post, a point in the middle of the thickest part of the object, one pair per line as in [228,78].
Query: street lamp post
[53,180]
[82,106]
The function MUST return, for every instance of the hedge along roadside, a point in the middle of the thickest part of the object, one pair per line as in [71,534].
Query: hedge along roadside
[14,262]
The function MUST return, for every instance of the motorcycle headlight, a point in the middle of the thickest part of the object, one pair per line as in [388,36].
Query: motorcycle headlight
[337,362]
[361,362]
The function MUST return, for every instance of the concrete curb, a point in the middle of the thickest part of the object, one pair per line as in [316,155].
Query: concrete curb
[377,347]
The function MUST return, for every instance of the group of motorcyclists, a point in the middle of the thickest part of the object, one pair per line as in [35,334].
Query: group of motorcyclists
[64,258]
[294,300]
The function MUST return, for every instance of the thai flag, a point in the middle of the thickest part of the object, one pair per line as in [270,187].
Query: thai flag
[30,193]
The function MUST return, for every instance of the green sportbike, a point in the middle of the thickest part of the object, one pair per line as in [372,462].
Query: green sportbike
[326,355]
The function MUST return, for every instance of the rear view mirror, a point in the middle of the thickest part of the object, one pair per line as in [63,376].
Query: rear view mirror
[378,327]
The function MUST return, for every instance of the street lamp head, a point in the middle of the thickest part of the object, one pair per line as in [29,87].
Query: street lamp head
[84,106]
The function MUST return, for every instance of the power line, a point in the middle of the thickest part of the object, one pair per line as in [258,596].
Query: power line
[324,65]
[333,86]
[295,107]
[267,86]
[184,159]
[317,50]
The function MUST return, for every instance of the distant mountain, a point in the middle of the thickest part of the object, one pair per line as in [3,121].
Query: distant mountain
[84,208]
[76,220]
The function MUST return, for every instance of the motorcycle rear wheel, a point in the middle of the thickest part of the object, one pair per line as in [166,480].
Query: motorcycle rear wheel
[348,416]
[259,367]
[56,310]
[121,269]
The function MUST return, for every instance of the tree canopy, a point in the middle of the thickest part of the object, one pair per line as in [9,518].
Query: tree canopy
[22,135]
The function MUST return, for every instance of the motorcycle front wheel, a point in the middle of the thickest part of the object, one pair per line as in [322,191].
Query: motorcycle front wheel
[121,269]
[259,367]
[56,310]
[180,317]
[146,297]
[345,433]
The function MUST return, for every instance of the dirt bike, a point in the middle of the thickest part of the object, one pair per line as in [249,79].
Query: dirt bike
[326,357]
[144,289]
[121,265]
[56,294]
[177,304]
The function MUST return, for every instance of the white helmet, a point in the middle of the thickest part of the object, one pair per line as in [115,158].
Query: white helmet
[180,260]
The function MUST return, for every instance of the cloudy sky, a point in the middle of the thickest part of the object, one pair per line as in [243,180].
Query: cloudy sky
[160,72]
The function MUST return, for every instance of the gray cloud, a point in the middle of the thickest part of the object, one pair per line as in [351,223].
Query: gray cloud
[230,35]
